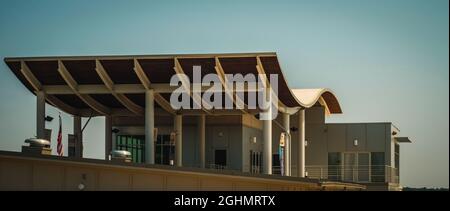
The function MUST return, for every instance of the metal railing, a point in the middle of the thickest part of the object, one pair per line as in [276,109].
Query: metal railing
[216,166]
[360,174]
[276,170]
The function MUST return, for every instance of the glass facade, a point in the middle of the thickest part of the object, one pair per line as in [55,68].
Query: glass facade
[378,167]
[164,148]
[133,144]
[356,167]
[334,165]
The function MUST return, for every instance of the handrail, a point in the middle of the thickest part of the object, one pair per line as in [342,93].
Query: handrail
[354,173]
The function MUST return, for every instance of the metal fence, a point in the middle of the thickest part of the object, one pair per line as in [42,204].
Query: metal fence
[216,166]
[361,174]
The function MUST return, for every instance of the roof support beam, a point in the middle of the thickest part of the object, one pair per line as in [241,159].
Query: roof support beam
[260,68]
[197,98]
[228,90]
[25,70]
[91,102]
[281,106]
[147,85]
[324,104]
[121,89]
[61,105]
[124,100]
[141,74]
[158,112]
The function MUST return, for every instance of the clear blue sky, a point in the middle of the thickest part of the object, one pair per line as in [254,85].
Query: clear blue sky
[387,60]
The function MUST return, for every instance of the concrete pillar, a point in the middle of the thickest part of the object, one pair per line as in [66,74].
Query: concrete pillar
[178,126]
[78,136]
[108,136]
[149,127]
[288,154]
[301,143]
[113,145]
[267,132]
[267,142]
[202,139]
[40,114]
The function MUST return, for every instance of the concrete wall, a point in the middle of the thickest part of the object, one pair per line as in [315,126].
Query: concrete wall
[340,137]
[233,133]
[247,145]
[372,137]
[18,172]
[225,138]
[222,133]
[316,150]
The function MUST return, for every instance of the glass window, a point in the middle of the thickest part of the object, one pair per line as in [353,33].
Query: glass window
[377,167]
[334,165]
[165,150]
[220,159]
[397,156]
[349,167]
[363,167]
[276,165]
[255,162]
[133,144]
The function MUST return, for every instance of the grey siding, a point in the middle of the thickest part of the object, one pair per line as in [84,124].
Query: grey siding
[247,134]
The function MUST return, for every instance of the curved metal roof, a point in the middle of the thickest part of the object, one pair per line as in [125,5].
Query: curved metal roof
[309,97]
[115,85]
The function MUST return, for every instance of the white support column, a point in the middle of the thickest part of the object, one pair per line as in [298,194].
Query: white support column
[78,136]
[202,139]
[301,143]
[149,127]
[40,114]
[267,142]
[288,154]
[108,136]
[267,132]
[178,126]
[113,145]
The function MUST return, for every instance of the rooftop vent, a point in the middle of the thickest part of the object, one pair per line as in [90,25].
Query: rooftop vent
[37,146]
[121,156]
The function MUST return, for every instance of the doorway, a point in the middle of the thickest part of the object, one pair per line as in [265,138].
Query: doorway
[220,159]
[349,167]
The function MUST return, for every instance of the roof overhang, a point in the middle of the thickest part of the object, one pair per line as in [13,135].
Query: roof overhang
[402,140]
[116,85]
[309,97]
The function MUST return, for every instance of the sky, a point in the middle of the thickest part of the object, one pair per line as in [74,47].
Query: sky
[386,60]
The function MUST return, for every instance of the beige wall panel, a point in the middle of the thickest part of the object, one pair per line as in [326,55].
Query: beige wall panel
[250,186]
[151,182]
[76,176]
[16,175]
[212,184]
[336,137]
[113,180]
[315,115]
[376,138]
[48,177]
[356,131]
[316,152]
[182,183]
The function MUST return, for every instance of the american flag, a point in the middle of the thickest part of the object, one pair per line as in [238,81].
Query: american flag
[60,145]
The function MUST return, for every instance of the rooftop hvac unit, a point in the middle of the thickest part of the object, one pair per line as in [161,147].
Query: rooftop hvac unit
[121,156]
[37,146]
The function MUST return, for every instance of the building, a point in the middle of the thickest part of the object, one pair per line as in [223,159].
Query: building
[134,94]
[366,153]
